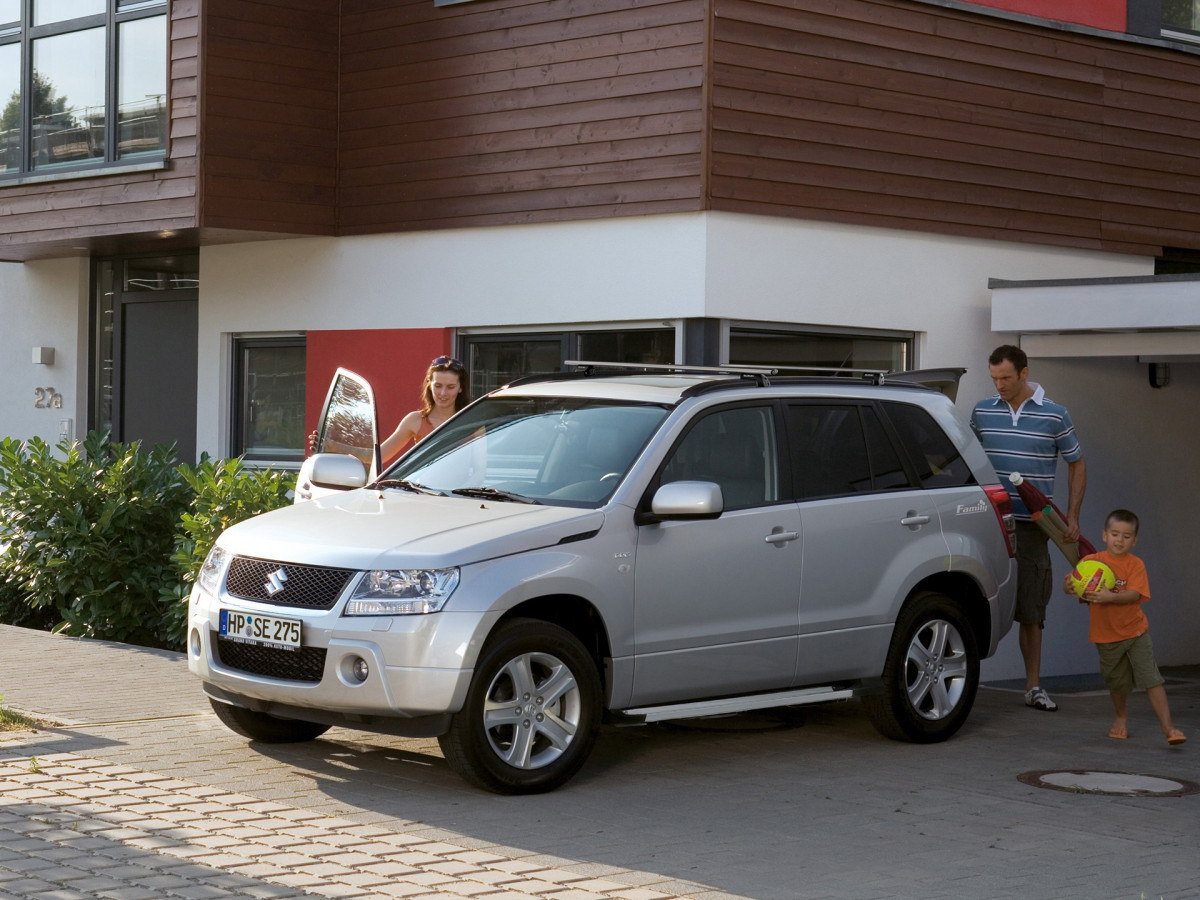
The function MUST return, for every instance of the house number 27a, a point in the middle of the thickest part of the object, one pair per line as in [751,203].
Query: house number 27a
[46,398]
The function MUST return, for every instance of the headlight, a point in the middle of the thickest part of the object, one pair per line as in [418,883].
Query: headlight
[402,592]
[209,577]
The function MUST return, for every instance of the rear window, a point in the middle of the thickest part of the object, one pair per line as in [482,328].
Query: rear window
[938,462]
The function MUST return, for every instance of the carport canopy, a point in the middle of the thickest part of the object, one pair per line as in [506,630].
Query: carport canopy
[1155,318]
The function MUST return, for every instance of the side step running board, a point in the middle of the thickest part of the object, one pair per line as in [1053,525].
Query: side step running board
[727,705]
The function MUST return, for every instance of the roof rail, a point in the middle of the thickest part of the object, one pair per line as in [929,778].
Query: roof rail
[583,368]
[944,380]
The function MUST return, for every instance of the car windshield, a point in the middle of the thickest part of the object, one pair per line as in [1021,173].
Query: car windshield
[562,451]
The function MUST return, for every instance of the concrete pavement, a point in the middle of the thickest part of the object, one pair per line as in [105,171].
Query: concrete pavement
[139,792]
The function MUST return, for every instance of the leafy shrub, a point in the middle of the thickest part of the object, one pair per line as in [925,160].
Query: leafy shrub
[106,541]
[224,492]
[88,537]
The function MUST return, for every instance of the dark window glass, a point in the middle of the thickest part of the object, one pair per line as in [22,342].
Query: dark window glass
[886,468]
[162,273]
[829,450]
[938,462]
[493,362]
[270,399]
[1181,14]
[735,448]
[639,346]
[805,350]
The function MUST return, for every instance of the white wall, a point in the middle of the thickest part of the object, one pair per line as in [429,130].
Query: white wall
[1140,446]
[43,304]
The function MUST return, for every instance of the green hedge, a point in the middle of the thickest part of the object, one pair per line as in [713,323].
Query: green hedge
[104,540]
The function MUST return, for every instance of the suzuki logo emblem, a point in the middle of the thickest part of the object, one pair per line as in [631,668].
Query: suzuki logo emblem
[275,582]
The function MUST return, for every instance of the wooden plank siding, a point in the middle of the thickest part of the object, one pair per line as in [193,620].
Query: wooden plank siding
[519,111]
[116,210]
[928,118]
[305,117]
[268,145]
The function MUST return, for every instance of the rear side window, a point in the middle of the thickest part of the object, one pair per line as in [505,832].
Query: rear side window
[938,462]
[840,449]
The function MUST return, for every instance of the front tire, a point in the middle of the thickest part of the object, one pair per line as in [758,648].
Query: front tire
[264,727]
[931,674]
[532,712]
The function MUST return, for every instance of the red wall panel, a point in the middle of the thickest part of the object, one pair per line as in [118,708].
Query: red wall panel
[394,360]
[1106,14]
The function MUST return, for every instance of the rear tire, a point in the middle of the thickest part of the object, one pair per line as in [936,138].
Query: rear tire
[931,674]
[532,711]
[263,727]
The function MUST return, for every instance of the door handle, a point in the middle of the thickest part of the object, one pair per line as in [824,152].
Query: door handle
[780,536]
[912,521]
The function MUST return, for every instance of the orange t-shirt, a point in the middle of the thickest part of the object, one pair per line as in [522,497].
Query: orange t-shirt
[1112,622]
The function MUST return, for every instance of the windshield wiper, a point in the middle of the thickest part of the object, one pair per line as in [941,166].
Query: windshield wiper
[413,486]
[488,493]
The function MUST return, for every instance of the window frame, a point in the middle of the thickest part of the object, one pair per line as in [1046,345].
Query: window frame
[24,34]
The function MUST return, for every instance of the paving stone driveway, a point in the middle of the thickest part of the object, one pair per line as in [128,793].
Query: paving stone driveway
[141,793]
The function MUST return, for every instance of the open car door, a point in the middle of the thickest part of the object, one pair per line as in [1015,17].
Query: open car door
[347,448]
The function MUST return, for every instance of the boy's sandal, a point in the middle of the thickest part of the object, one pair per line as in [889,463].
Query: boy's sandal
[1175,737]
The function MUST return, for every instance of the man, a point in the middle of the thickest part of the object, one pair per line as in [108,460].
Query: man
[1023,431]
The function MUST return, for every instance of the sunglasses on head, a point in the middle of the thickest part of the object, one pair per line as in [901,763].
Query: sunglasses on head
[447,362]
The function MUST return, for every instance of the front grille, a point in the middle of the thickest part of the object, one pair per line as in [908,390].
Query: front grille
[303,587]
[305,664]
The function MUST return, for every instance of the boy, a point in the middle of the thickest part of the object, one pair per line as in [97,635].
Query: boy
[1119,628]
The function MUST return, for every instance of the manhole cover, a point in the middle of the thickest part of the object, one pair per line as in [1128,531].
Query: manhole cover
[1125,784]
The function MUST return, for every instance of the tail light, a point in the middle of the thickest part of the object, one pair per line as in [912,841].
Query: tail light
[1002,505]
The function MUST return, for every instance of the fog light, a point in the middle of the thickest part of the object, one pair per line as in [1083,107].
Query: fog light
[194,643]
[359,668]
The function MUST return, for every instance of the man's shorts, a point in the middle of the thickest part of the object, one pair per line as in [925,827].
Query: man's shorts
[1129,664]
[1034,574]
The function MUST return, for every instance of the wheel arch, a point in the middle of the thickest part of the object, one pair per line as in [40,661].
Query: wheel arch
[576,615]
[963,590]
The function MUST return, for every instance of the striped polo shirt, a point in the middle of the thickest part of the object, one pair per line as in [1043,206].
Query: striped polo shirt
[1028,441]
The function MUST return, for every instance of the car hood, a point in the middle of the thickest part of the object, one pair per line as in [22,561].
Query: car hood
[369,529]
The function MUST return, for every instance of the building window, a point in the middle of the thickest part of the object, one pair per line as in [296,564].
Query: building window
[83,83]
[495,359]
[847,352]
[269,399]
[1181,14]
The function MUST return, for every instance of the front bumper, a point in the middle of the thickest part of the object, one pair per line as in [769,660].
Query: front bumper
[416,666]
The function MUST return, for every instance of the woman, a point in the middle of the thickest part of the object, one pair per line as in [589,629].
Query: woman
[443,393]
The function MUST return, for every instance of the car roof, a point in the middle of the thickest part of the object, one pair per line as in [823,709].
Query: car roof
[665,385]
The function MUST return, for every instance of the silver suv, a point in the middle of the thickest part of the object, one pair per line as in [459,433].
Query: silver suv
[611,546]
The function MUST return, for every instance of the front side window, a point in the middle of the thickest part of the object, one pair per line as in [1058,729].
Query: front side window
[83,83]
[733,448]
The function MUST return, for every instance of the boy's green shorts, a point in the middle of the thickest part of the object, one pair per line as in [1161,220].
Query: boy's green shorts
[1129,664]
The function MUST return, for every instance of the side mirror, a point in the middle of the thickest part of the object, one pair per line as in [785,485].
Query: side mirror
[324,473]
[688,500]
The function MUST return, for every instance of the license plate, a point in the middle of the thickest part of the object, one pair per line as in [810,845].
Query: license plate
[266,631]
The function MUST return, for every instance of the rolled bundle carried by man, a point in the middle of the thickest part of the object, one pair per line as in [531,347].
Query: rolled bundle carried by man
[1051,520]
